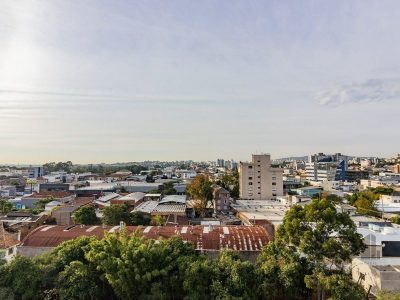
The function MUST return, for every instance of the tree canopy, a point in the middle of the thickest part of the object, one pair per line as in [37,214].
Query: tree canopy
[86,215]
[114,214]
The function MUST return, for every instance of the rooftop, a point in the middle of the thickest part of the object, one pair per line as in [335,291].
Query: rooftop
[6,239]
[146,207]
[212,238]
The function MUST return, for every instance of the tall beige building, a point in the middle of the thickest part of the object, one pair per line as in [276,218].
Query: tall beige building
[258,180]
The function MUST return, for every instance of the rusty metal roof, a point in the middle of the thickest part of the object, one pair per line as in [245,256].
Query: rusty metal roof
[6,239]
[239,238]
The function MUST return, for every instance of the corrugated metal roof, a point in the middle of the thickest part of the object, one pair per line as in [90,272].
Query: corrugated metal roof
[239,238]
[170,208]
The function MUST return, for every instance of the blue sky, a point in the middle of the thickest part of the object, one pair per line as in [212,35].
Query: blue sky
[107,81]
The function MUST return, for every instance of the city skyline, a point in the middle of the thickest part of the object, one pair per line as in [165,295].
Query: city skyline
[131,81]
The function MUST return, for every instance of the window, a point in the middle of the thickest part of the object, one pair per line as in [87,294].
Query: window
[259,193]
[258,165]
[259,176]
[250,167]
[273,178]
[274,195]
[250,183]
[274,183]
[10,251]
[250,178]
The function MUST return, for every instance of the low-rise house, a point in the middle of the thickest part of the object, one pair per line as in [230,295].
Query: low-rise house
[377,268]
[53,187]
[105,199]
[346,208]
[51,205]
[221,200]
[8,244]
[63,215]
[376,275]
[308,191]
[132,199]
[29,201]
[23,222]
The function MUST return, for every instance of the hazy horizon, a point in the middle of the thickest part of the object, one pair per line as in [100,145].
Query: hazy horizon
[128,81]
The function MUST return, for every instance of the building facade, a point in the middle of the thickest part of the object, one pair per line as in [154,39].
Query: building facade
[321,167]
[258,180]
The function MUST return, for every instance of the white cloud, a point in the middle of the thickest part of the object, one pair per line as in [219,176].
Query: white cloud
[372,90]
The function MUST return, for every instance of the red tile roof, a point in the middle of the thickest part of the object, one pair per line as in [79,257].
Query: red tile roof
[211,238]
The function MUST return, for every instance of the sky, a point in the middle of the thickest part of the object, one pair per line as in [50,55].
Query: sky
[112,81]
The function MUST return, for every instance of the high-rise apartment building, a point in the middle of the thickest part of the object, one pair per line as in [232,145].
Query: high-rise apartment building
[322,167]
[258,180]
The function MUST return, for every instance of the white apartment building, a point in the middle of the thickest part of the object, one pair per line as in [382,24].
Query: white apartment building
[258,180]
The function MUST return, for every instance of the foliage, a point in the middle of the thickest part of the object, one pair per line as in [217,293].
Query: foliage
[321,233]
[114,214]
[139,218]
[86,215]
[396,220]
[388,295]
[158,220]
[334,286]
[21,278]
[40,205]
[138,268]
[230,182]
[78,281]
[201,189]
[168,188]
[381,190]
[282,271]
[60,166]
[234,278]
[365,202]
[5,206]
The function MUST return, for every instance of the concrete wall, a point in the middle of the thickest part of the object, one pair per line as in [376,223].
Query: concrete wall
[32,251]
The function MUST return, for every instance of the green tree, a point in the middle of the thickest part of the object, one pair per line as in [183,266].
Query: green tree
[388,295]
[114,214]
[79,281]
[67,273]
[86,215]
[327,239]
[321,233]
[339,286]
[5,206]
[21,278]
[201,189]
[234,278]
[198,278]
[230,182]
[281,271]
[139,218]
[142,269]
[168,188]
[40,205]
